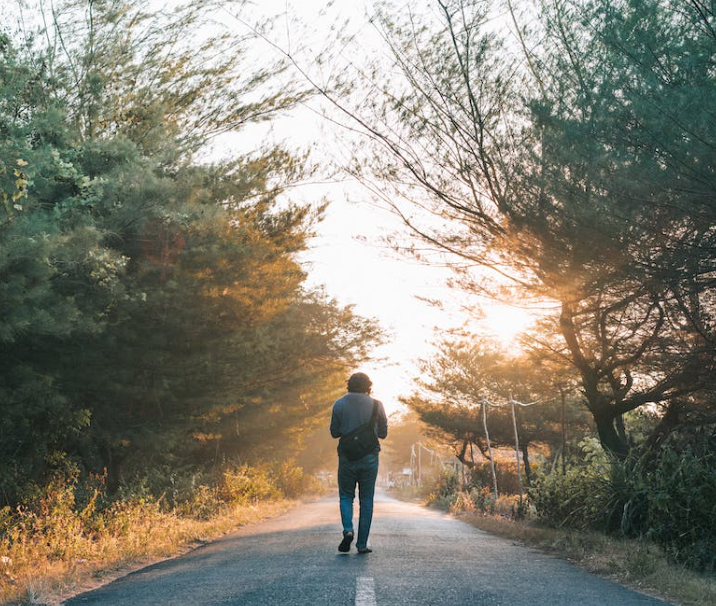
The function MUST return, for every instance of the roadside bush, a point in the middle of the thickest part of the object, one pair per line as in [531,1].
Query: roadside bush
[293,482]
[506,472]
[461,502]
[446,487]
[599,493]
[670,499]
[247,485]
[449,495]
[73,523]
[682,506]
[202,504]
[483,498]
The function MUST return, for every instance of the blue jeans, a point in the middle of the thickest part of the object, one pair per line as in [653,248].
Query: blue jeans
[362,472]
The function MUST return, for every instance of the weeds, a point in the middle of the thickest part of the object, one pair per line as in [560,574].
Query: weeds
[449,495]
[671,501]
[638,563]
[72,529]
[647,526]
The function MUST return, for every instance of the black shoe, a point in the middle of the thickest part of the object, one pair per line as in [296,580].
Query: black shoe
[364,550]
[346,542]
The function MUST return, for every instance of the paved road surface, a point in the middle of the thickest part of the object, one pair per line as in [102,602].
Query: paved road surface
[420,557]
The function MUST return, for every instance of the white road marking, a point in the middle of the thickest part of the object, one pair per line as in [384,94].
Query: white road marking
[365,591]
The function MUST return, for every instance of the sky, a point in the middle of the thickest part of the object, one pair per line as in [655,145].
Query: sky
[349,256]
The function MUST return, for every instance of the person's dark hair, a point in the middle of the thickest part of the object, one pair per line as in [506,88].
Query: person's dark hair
[359,383]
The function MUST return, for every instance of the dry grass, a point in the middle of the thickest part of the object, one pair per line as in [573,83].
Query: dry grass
[35,570]
[638,564]
[72,537]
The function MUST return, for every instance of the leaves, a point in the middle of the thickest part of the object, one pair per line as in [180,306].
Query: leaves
[153,313]
[575,167]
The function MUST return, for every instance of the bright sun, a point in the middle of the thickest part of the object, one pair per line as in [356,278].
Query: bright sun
[505,323]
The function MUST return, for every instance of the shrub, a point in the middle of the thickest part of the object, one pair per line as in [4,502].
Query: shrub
[202,504]
[482,498]
[247,485]
[682,506]
[448,494]
[293,482]
[447,486]
[670,499]
[461,502]
[72,522]
[598,493]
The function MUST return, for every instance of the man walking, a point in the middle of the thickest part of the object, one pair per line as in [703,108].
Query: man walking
[350,413]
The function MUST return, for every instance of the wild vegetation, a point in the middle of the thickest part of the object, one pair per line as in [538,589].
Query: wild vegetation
[153,313]
[558,159]
[155,327]
[75,533]
[156,331]
[561,154]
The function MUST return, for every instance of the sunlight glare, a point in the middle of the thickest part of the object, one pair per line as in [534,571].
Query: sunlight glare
[505,324]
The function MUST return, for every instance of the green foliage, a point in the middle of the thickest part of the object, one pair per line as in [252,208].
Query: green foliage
[448,494]
[246,485]
[292,481]
[669,500]
[681,494]
[561,162]
[203,504]
[448,483]
[456,382]
[590,494]
[154,321]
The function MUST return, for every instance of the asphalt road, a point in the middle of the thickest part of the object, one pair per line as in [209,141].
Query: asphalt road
[420,557]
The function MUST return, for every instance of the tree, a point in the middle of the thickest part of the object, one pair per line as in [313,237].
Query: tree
[561,161]
[466,377]
[38,255]
[156,76]
[154,316]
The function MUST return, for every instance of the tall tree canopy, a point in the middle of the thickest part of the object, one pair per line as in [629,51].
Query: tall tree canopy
[469,384]
[152,309]
[574,159]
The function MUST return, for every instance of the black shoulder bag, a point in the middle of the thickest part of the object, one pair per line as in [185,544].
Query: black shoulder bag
[361,441]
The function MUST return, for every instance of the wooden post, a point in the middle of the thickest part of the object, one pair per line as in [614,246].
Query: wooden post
[517,447]
[564,432]
[489,447]
[420,465]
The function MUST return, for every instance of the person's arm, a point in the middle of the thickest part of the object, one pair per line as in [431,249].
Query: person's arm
[381,425]
[336,423]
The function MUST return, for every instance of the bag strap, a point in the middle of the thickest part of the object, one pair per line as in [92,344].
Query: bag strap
[374,414]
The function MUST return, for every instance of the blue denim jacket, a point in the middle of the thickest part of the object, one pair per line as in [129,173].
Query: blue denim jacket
[354,409]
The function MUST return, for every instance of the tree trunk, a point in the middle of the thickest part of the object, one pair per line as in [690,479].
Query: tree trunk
[462,455]
[609,436]
[526,461]
[668,423]
[621,431]
[113,467]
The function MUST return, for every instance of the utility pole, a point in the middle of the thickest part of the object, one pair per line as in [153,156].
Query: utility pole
[564,431]
[489,447]
[420,464]
[517,447]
